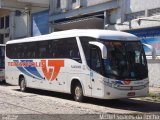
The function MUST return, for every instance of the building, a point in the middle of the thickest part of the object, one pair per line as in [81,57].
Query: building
[71,14]
[18,18]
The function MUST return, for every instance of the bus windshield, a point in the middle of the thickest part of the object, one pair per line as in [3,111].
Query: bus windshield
[2,55]
[125,60]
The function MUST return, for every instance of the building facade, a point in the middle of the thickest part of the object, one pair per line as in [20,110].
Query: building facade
[17,18]
[115,14]
[79,14]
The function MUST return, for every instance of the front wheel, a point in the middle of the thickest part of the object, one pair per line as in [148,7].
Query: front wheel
[22,84]
[78,93]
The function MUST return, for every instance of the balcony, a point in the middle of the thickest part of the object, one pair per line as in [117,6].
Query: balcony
[22,4]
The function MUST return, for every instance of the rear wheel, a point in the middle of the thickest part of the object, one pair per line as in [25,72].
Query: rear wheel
[3,82]
[78,93]
[22,84]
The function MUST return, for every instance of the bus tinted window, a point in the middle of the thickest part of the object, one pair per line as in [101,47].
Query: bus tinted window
[62,48]
[43,49]
[21,51]
[52,48]
[30,50]
[67,48]
[10,51]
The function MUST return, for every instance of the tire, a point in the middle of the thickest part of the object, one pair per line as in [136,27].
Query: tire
[3,82]
[78,93]
[22,84]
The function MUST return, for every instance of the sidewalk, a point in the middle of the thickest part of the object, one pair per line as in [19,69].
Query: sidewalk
[155,90]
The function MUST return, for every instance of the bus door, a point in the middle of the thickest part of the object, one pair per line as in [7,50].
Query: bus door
[96,71]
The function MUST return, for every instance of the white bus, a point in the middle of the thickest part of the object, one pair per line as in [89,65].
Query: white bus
[95,63]
[2,63]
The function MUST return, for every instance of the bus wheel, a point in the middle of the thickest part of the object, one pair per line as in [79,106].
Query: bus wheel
[78,93]
[22,84]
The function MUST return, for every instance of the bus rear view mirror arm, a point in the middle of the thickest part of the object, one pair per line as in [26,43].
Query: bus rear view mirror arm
[102,48]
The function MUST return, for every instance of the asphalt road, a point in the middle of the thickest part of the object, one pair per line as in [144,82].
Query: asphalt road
[40,104]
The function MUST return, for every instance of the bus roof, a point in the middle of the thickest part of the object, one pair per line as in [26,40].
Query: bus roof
[95,33]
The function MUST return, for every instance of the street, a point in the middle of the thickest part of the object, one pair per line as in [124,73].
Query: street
[12,101]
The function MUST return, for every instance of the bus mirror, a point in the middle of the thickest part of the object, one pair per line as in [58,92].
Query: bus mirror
[102,48]
[152,49]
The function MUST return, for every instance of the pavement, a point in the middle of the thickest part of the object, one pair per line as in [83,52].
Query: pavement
[46,105]
[155,90]
[34,101]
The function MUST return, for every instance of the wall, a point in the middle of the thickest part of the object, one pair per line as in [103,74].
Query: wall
[4,12]
[117,15]
[40,23]
[138,5]
[154,73]
[20,26]
[35,1]
[95,2]
[132,6]
[67,5]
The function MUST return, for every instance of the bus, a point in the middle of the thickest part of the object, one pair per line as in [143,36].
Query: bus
[94,63]
[2,63]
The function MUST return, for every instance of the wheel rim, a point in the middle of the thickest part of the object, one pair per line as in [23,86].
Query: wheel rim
[78,92]
[23,85]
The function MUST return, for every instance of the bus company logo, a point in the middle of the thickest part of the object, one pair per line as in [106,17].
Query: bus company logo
[53,69]
[50,68]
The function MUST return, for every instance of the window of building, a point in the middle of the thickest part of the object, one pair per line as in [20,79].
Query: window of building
[1,22]
[1,38]
[6,21]
[58,3]
[4,24]
[155,11]
[134,15]
[73,1]
[6,35]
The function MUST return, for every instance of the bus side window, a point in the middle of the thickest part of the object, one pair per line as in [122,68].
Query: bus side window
[10,51]
[29,50]
[43,49]
[67,48]
[52,48]
[73,50]
[17,50]
[59,52]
